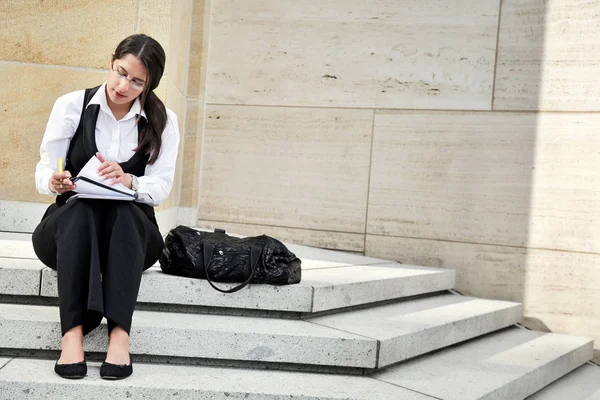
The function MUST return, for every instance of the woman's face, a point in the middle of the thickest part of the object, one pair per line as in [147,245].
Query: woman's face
[126,79]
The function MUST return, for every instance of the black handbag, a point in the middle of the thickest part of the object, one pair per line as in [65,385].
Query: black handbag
[218,257]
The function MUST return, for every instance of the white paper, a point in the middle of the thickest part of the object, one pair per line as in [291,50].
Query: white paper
[89,171]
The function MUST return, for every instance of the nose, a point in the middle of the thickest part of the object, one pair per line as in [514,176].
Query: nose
[124,86]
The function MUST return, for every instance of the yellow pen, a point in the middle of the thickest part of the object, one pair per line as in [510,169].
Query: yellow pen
[60,170]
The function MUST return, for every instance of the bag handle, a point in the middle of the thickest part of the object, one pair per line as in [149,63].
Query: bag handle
[255,254]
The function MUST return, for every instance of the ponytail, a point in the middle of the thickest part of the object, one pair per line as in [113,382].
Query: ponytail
[151,133]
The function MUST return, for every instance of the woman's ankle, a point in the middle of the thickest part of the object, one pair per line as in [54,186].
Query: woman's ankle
[72,346]
[118,336]
[75,333]
[118,347]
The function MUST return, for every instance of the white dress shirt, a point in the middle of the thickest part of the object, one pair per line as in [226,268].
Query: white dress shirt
[115,141]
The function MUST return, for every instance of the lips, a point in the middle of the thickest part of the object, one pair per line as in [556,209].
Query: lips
[119,95]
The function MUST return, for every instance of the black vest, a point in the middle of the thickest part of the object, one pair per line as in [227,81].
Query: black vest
[83,147]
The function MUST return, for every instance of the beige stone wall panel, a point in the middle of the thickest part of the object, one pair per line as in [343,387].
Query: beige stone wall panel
[81,33]
[155,21]
[353,242]
[549,56]
[176,102]
[361,53]
[191,154]
[179,43]
[197,167]
[288,167]
[161,90]
[559,289]
[27,94]
[198,48]
[515,179]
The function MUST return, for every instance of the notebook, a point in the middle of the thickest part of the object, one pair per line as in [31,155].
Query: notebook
[90,185]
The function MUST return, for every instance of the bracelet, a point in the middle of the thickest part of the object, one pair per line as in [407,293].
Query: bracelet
[134,182]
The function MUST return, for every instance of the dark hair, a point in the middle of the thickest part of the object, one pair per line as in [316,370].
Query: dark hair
[152,56]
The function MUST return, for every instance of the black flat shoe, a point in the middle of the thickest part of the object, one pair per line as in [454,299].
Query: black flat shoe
[71,371]
[113,372]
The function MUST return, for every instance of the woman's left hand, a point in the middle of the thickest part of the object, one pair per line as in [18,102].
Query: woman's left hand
[112,170]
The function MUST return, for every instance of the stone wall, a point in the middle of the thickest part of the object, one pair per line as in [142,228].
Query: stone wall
[457,134]
[49,48]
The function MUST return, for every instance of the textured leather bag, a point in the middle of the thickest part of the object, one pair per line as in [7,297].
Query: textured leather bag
[218,257]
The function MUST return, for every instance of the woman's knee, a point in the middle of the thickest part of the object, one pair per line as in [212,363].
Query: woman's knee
[44,245]
[154,246]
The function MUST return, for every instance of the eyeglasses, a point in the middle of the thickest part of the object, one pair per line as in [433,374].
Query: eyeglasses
[123,77]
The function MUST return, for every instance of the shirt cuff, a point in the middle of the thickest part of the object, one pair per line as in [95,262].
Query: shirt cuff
[143,192]
[43,178]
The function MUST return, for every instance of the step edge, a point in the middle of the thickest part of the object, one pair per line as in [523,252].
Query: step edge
[587,353]
[512,314]
[308,296]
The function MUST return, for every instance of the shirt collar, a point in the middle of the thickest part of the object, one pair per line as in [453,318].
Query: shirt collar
[100,99]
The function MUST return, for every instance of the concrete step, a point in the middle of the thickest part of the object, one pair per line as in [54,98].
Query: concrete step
[28,379]
[320,289]
[581,384]
[4,235]
[504,366]
[361,339]
[511,365]
[415,327]
[17,248]
[326,285]
[20,277]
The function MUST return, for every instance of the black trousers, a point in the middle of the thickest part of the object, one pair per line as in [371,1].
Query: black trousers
[99,248]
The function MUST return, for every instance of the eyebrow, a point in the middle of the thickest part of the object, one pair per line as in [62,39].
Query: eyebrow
[134,79]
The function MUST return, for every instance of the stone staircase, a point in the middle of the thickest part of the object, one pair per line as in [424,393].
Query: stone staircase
[355,328]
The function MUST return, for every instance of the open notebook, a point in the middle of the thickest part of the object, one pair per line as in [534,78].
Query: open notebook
[92,186]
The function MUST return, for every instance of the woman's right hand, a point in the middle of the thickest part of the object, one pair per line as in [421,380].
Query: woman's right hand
[60,183]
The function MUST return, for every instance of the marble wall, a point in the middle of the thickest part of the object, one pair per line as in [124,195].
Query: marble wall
[458,134]
[51,48]
[195,106]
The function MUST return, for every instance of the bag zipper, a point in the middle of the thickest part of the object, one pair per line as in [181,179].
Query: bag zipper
[221,252]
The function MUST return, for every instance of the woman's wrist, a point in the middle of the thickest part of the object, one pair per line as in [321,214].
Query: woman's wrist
[133,182]
[51,187]
[128,181]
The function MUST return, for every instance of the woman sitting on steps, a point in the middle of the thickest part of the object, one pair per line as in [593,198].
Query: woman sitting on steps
[100,248]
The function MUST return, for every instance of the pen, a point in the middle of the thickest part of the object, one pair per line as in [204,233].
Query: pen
[60,170]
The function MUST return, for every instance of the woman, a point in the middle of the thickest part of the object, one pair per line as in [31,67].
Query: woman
[100,248]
